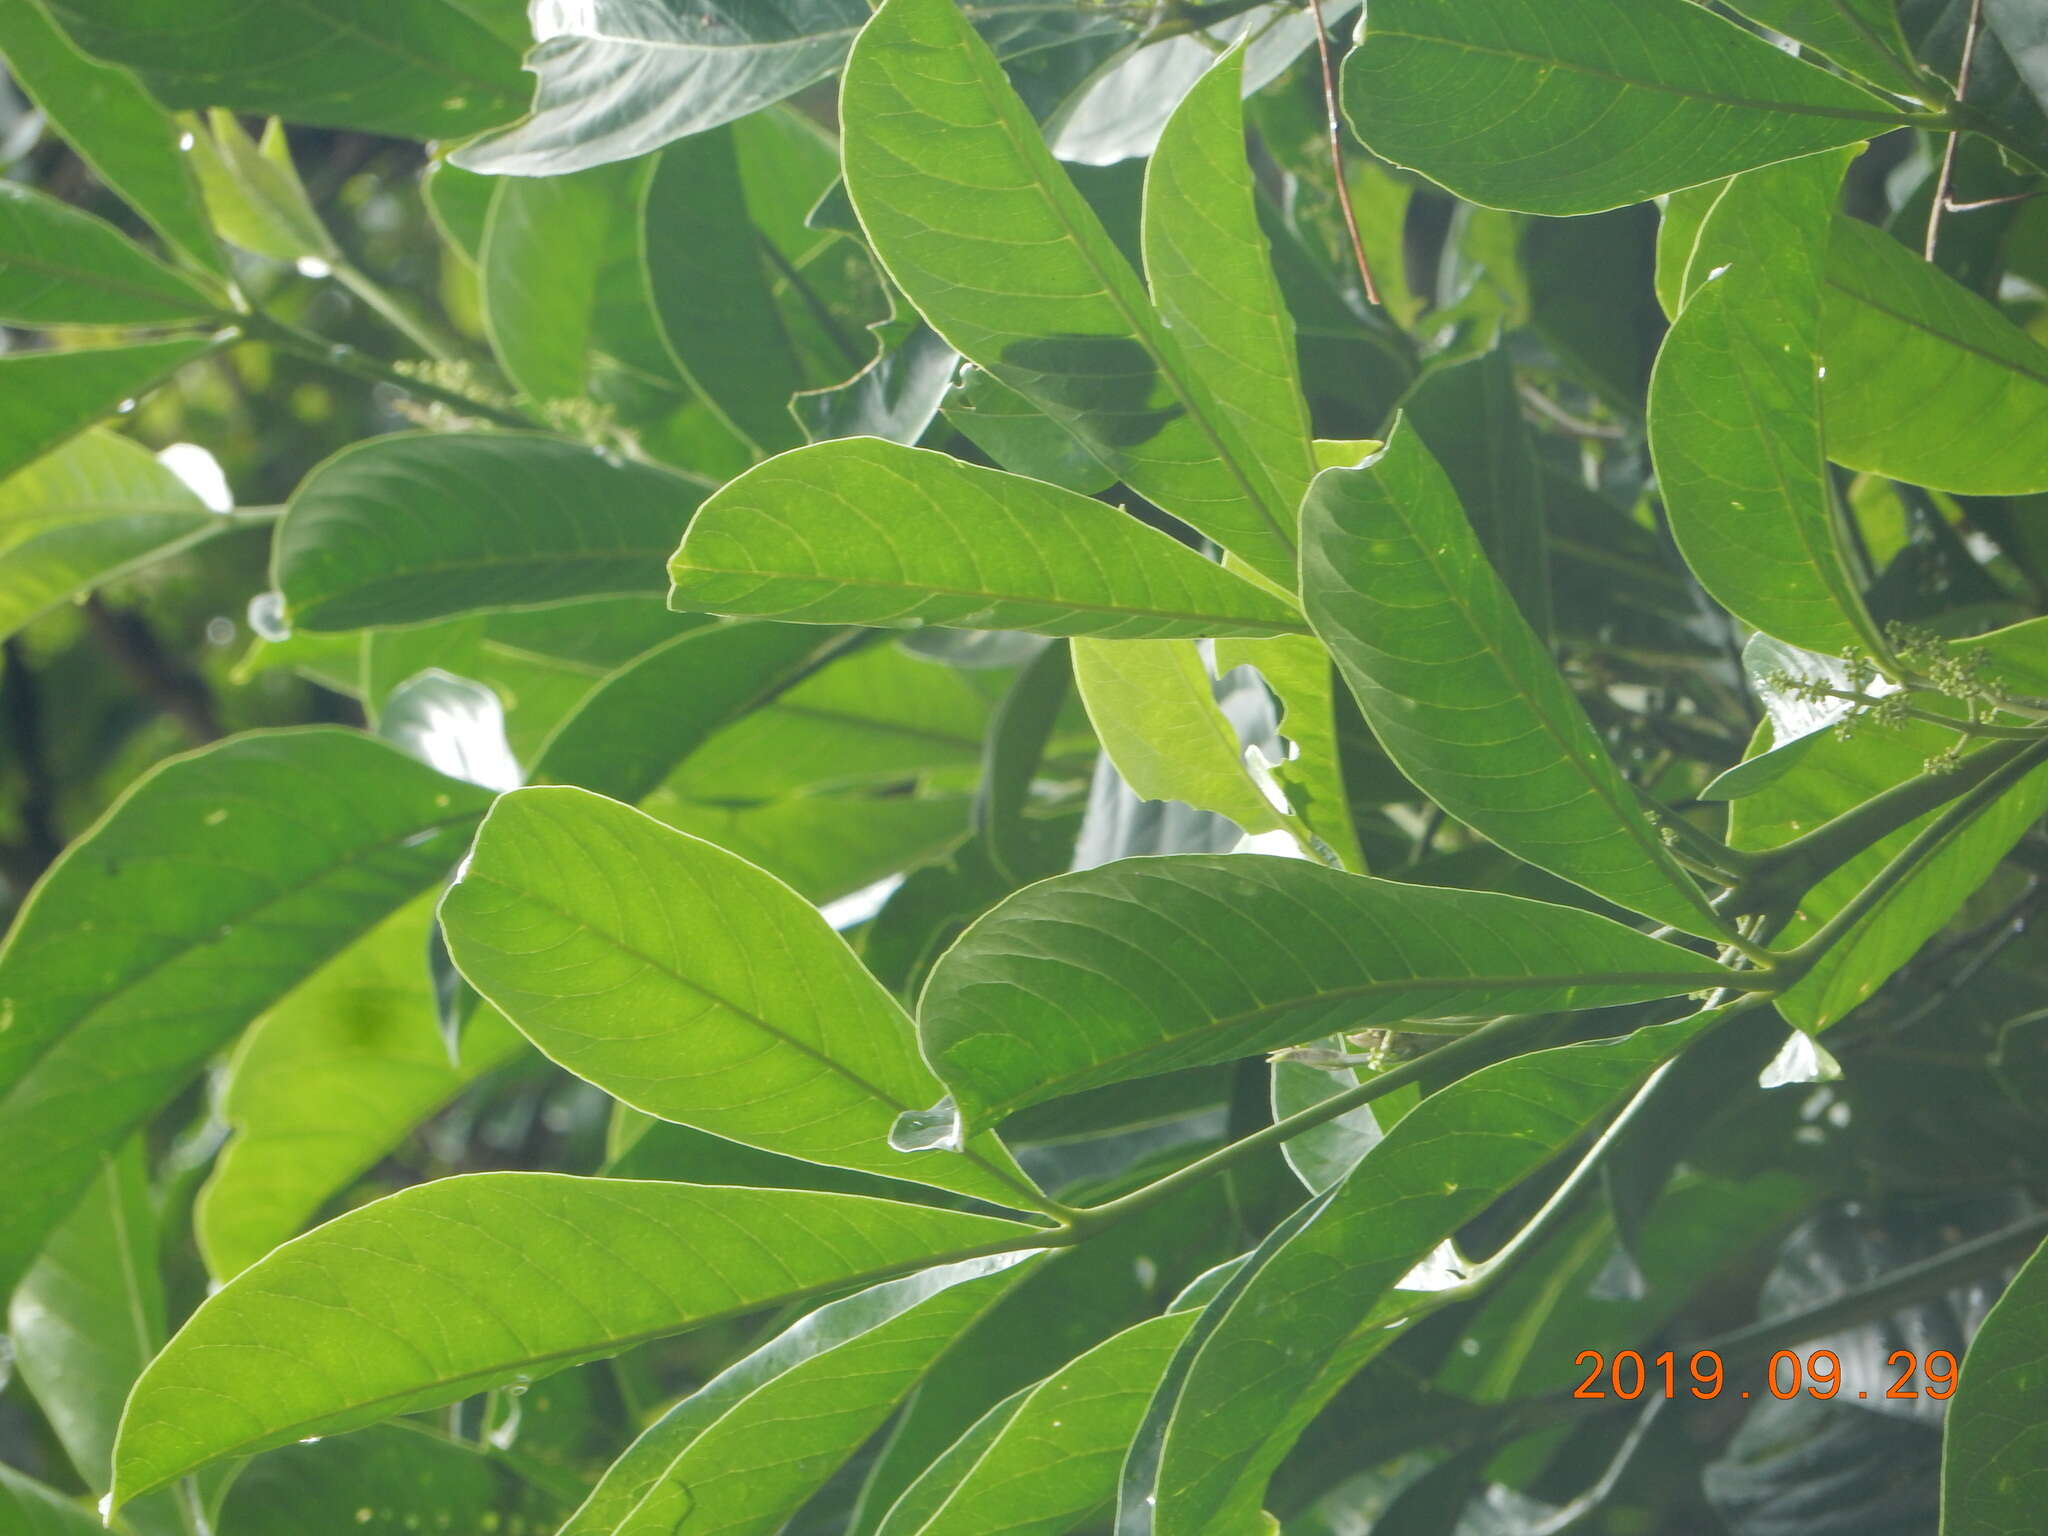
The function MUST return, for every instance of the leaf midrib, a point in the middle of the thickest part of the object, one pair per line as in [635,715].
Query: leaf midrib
[1687,981]
[804,1048]
[1628,817]
[610,1346]
[1947,338]
[1275,626]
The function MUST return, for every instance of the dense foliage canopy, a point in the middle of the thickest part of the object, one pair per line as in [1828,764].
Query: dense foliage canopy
[1006,767]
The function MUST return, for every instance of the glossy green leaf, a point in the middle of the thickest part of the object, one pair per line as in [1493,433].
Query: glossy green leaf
[61,266]
[618,79]
[1235,1403]
[97,508]
[544,248]
[428,70]
[1018,435]
[1149,965]
[1927,382]
[635,728]
[1994,1470]
[116,127]
[674,1006]
[448,1288]
[742,1452]
[863,531]
[329,1081]
[216,884]
[1736,410]
[707,277]
[1517,104]
[984,233]
[1154,708]
[1212,277]
[1460,691]
[89,1314]
[47,397]
[1862,36]
[1051,1459]
[386,1481]
[406,528]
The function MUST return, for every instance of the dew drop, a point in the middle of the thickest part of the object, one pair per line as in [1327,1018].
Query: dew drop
[125,408]
[312,266]
[266,617]
[185,143]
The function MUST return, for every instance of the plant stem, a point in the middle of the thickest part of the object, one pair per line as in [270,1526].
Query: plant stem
[1790,869]
[1918,851]
[1334,118]
[359,365]
[391,313]
[1948,153]
[1481,1047]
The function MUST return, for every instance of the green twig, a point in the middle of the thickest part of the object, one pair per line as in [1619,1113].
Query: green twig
[360,365]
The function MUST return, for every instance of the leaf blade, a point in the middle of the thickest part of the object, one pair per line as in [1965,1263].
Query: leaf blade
[1461,693]
[863,531]
[1153,964]
[485,1247]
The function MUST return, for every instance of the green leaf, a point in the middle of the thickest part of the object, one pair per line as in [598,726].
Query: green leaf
[1154,708]
[1460,691]
[89,1315]
[618,79]
[640,724]
[1234,1403]
[584,921]
[705,271]
[253,192]
[1862,36]
[33,1510]
[114,125]
[1927,383]
[984,233]
[1514,104]
[386,1481]
[746,1449]
[1836,775]
[1736,410]
[449,1288]
[1470,418]
[329,1081]
[544,245]
[1299,672]
[1212,277]
[1018,435]
[1047,1461]
[64,267]
[423,71]
[825,846]
[213,886]
[1994,1467]
[95,509]
[1678,233]
[421,526]
[868,714]
[863,531]
[46,397]
[1153,964]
